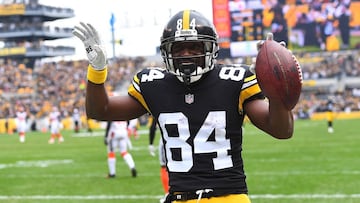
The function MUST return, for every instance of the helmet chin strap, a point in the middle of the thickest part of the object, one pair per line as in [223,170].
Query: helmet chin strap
[186,70]
[189,77]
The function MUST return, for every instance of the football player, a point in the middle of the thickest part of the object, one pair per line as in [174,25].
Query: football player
[76,120]
[133,128]
[199,107]
[152,133]
[164,175]
[164,178]
[330,115]
[55,126]
[116,139]
[21,117]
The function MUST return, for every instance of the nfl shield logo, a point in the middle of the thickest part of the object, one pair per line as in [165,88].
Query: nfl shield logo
[189,98]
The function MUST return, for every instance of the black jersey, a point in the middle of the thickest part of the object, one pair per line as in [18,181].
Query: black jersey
[201,124]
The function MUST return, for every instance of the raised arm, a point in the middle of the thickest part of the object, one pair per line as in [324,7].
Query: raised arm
[99,105]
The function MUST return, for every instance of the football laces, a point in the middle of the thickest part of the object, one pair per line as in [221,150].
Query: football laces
[298,68]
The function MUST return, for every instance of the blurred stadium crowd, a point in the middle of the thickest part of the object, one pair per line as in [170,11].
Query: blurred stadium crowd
[62,84]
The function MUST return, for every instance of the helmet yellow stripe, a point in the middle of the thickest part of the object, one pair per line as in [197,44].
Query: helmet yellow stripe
[186,19]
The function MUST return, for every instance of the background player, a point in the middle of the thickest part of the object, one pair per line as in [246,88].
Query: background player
[330,115]
[133,128]
[21,117]
[164,177]
[76,120]
[152,133]
[55,126]
[116,139]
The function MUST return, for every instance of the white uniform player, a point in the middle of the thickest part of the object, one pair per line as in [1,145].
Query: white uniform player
[164,177]
[116,139]
[76,119]
[21,123]
[133,127]
[55,126]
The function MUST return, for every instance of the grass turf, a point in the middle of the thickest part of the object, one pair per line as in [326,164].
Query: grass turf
[313,166]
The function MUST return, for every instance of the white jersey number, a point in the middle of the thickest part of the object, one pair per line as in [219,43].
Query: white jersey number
[214,122]
[154,74]
[235,73]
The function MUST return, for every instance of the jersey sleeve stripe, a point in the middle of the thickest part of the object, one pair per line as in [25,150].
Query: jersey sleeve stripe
[136,86]
[135,92]
[248,84]
[249,89]
[250,78]
[136,79]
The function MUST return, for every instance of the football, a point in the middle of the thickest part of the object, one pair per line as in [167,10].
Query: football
[278,73]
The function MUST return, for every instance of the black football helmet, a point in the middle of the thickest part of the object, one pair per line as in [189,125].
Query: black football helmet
[189,26]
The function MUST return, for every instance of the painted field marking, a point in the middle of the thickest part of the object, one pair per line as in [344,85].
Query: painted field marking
[40,163]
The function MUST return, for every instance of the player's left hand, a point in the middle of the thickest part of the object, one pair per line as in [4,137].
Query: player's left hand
[269,36]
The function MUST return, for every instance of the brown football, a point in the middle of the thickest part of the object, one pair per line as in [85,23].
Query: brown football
[278,73]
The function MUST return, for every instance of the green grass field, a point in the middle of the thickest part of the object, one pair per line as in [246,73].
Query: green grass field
[313,166]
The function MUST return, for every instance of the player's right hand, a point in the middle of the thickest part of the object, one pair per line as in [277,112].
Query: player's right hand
[94,49]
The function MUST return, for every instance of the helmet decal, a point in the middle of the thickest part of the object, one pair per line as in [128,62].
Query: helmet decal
[184,26]
[186,18]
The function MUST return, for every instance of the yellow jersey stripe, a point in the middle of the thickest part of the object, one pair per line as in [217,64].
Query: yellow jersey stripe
[250,78]
[137,95]
[186,20]
[136,79]
[247,93]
